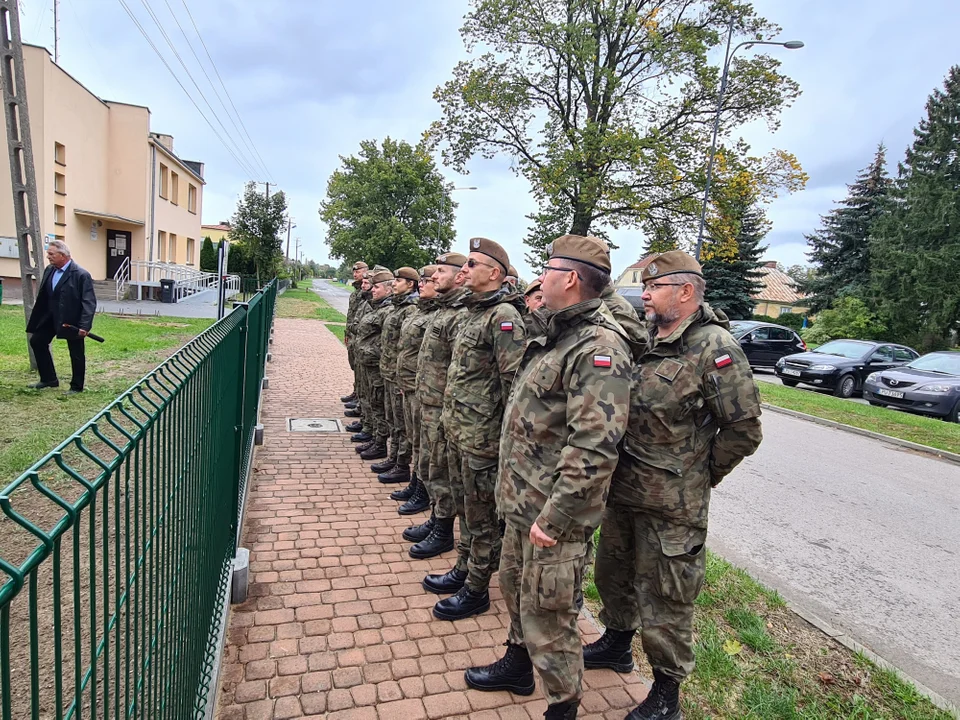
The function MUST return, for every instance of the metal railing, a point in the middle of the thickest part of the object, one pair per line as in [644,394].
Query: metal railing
[187,280]
[117,545]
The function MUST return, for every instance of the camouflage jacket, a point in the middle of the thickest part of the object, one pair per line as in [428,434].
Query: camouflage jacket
[402,307]
[694,415]
[626,316]
[564,419]
[359,304]
[434,358]
[485,357]
[369,329]
[411,340]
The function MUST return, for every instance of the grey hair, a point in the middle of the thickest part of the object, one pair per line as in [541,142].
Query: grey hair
[59,246]
[699,284]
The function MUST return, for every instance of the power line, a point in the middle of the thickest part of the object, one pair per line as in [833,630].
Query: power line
[143,32]
[227,92]
[213,87]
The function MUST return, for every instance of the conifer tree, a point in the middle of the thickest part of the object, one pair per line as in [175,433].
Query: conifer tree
[733,278]
[208,256]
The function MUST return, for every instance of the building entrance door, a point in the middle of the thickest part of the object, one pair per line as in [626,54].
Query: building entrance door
[118,250]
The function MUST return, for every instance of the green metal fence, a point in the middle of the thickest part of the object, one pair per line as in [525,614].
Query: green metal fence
[117,544]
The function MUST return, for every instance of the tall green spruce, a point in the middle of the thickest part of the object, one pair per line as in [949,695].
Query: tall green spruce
[915,253]
[208,256]
[733,281]
[840,248]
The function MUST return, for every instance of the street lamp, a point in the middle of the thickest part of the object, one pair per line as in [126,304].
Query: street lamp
[440,217]
[789,45]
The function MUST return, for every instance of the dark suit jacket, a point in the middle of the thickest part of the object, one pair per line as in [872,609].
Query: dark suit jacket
[73,302]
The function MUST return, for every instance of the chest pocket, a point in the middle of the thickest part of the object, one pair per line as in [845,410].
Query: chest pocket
[667,393]
[546,377]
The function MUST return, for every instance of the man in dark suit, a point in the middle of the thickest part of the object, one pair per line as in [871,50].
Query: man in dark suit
[65,297]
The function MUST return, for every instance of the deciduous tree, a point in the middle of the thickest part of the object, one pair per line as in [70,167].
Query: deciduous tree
[256,224]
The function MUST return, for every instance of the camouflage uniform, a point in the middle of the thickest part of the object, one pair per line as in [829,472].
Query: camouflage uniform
[626,317]
[356,297]
[353,324]
[401,307]
[558,451]
[694,415]
[369,329]
[484,360]
[411,340]
[432,364]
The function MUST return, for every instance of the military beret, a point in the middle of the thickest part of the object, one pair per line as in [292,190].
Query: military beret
[588,250]
[532,287]
[427,271]
[380,276]
[512,272]
[452,258]
[670,263]
[491,249]
[360,265]
[407,273]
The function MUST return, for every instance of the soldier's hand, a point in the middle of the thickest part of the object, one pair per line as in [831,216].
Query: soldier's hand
[539,538]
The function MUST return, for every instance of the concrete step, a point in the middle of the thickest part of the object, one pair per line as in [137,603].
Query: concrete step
[105,289]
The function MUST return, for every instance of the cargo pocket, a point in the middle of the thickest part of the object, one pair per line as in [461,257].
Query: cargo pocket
[682,564]
[558,574]
[484,472]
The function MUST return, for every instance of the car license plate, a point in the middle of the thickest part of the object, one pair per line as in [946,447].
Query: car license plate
[788,371]
[890,393]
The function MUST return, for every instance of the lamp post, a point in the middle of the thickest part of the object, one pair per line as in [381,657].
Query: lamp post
[789,45]
[440,216]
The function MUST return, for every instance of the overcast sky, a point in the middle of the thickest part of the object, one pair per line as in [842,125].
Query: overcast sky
[312,78]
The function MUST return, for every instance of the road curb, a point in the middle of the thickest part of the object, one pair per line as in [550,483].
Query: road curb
[916,447]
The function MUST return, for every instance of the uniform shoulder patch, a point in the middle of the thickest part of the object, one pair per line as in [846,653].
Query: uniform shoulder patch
[506,326]
[723,360]
[603,361]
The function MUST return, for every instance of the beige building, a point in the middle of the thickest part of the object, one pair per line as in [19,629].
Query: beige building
[779,295]
[108,186]
[216,233]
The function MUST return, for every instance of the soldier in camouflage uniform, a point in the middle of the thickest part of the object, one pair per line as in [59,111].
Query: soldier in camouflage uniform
[436,535]
[364,433]
[485,357]
[411,339]
[352,401]
[369,331]
[396,468]
[694,415]
[558,450]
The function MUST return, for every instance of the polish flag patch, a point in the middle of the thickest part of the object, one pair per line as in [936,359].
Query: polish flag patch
[723,361]
[601,361]
[506,326]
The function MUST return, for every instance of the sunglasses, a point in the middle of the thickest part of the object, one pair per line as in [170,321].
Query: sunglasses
[471,263]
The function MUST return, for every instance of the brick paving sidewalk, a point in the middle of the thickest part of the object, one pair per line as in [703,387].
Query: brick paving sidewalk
[336,624]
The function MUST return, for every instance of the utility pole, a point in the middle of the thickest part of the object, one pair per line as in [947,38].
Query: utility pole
[56,31]
[296,254]
[23,177]
[290,226]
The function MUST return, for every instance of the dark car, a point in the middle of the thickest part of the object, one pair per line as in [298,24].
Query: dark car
[632,295]
[842,365]
[764,343]
[928,385]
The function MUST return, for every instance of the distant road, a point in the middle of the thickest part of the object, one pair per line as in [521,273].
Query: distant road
[336,296]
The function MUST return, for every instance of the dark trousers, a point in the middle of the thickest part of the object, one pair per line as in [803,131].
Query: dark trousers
[40,342]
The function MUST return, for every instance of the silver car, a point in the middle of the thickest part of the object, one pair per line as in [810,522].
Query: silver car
[929,385]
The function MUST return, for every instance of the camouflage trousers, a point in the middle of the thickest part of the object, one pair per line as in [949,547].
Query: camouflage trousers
[363,392]
[649,572]
[434,471]
[353,364]
[411,422]
[473,480]
[374,404]
[393,409]
[539,589]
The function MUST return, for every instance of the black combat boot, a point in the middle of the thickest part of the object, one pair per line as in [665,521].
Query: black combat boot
[513,672]
[446,584]
[662,703]
[350,405]
[562,711]
[466,603]
[351,412]
[416,533]
[440,540]
[361,437]
[374,453]
[384,466]
[418,503]
[365,446]
[348,398]
[408,491]
[396,474]
[612,651]
[354,427]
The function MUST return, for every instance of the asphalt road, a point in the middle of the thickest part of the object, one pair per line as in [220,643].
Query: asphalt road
[336,296]
[861,533]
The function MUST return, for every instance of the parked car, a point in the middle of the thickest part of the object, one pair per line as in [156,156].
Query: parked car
[765,343]
[928,385]
[842,365]
[632,295]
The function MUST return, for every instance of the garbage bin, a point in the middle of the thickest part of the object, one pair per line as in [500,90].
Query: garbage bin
[166,291]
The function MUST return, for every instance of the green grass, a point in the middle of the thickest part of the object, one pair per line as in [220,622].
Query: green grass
[305,304]
[32,422]
[339,331]
[914,428]
[337,283]
[757,660]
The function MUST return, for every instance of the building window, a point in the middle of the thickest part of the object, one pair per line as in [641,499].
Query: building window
[190,250]
[164,181]
[785,310]
[634,277]
[60,183]
[174,188]
[192,198]
[172,255]
[59,215]
[162,244]
[59,153]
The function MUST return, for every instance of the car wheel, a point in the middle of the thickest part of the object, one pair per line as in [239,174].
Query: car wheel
[845,387]
[955,415]
[789,383]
